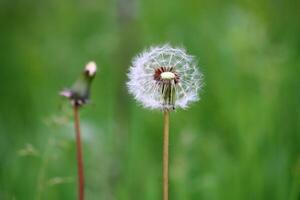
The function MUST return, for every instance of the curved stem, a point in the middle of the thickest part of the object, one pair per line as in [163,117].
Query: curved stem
[166,156]
[79,154]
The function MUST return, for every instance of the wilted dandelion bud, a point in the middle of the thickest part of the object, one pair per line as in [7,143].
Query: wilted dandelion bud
[91,68]
[164,78]
[80,91]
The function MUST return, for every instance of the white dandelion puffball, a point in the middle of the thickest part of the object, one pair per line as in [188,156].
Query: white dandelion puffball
[164,78]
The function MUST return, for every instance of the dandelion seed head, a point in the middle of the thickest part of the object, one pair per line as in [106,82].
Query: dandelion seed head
[164,78]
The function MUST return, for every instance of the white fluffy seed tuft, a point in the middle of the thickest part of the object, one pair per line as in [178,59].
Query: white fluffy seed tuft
[146,89]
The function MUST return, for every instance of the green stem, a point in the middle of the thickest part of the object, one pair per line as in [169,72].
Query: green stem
[166,156]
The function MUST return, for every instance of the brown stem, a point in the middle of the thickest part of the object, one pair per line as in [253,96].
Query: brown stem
[79,155]
[166,156]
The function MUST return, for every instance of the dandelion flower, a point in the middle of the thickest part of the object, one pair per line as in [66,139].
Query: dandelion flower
[164,78]
[80,91]
[79,96]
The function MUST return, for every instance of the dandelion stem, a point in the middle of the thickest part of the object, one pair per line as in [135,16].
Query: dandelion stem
[79,154]
[166,156]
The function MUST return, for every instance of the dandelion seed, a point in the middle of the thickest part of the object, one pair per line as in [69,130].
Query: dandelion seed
[164,78]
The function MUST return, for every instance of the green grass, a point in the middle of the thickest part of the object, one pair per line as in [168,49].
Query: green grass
[241,141]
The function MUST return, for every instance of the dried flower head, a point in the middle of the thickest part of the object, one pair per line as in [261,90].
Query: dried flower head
[164,78]
[80,91]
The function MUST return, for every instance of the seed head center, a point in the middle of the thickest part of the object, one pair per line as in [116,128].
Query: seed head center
[167,75]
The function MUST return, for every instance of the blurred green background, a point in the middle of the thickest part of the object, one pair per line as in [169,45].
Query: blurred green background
[240,142]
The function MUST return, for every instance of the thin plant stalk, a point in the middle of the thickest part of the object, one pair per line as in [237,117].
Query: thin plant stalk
[166,156]
[79,154]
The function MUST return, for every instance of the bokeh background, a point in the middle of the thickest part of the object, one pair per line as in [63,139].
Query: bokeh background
[240,142]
